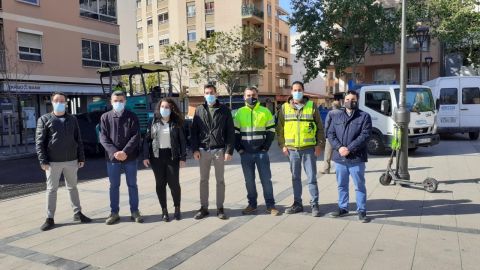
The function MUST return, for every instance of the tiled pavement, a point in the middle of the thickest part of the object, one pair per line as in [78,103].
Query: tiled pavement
[411,229]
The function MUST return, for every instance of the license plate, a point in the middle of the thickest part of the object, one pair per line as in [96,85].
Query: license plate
[424,140]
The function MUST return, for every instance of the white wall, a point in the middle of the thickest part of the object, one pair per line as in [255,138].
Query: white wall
[316,86]
[127,20]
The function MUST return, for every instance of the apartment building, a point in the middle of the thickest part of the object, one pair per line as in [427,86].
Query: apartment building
[163,22]
[49,46]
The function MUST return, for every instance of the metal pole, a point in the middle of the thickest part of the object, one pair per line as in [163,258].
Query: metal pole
[402,115]
[421,62]
[10,139]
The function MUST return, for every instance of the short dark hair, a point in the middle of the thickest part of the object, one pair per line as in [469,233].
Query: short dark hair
[118,93]
[58,93]
[251,88]
[351,92]
[300,83]
[211,86]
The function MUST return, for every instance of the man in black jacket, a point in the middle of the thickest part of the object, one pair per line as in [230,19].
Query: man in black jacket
[212,139]
[348,133]
[120,136]
[60,150]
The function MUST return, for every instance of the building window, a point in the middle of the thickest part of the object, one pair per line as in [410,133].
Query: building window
[33,2]
[140,46]
[209,8]
[277,37]
[330,75]
[285,44]
[192,35]
[139,3]
[471,95]
[282,61]
[269,34]
[103,10]
[149,2]
[209,32]
[99,54]
[414,76]
[163,18]
[373,100]
[139,24]
[29,47]
[282,82]
[149,21]
[269,9]
[151,43]
[191,9]
[387,48]
[164,40]
[412,45]
[448,96]
[384,76]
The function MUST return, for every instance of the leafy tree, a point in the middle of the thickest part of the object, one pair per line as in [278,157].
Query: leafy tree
[225,56]
[454,22]
[340,32]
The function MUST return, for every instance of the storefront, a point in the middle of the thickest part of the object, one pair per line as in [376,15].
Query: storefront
[22,103]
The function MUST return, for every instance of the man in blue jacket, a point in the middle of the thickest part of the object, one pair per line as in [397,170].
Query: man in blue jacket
[348,134]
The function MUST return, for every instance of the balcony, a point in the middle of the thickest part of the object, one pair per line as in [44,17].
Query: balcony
[3,66]
[285,69]
[250,12]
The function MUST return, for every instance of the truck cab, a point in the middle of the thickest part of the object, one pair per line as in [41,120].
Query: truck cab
[381,101]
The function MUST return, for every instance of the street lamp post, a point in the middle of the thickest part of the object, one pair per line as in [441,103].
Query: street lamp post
[421,35]
[428,61]
[402,115]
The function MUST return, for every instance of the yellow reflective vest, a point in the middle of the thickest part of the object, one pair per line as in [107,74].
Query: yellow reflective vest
[299,129]
[254,128]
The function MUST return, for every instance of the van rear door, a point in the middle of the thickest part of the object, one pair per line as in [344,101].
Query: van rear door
[448,96]
[470,102]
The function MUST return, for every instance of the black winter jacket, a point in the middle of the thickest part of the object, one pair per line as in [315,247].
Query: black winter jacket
[351,131]
[218,132]
[57,140]
[178,142]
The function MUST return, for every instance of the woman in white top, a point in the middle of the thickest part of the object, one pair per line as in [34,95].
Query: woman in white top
[164,148]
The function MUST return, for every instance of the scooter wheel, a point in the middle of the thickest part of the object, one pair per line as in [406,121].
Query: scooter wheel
[430,185]
[385,179]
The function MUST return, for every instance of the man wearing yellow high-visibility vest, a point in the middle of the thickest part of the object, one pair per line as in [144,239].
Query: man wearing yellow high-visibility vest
[254,134]
[301,138]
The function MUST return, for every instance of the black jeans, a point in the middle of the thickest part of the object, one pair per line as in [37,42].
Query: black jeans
[166,171]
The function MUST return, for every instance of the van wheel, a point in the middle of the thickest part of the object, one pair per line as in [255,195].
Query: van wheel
[375,145]
[473,135]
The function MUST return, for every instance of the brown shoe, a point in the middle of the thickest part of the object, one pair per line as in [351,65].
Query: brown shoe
[273,211]
[249,210]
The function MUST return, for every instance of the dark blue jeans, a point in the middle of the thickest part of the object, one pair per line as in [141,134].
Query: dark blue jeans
[114,170]
[262,161]
[309,160]
[357,172]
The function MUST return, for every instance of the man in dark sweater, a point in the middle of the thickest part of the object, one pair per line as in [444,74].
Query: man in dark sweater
[60,151]
[212,139]
[120,136]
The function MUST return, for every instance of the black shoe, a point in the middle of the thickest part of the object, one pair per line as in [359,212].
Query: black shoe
[81,217]
[339,213]
[48,225]
[201,213]
[165,216]
[295,208]
[221,214]
[177,215]
[362,217]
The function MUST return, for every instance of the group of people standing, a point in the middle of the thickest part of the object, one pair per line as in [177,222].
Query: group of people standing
[214,135]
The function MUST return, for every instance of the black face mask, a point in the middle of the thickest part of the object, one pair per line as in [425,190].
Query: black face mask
[352,105]
[251,101]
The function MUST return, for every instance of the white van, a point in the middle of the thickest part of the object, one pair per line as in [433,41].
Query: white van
[381,101]
[458,103]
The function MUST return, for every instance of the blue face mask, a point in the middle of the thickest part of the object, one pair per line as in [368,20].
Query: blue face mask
[297,95]
[165,112]
[210,99]
[58,107]
[118,106]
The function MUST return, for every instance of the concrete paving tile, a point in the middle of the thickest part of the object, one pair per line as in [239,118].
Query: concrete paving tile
[437,250]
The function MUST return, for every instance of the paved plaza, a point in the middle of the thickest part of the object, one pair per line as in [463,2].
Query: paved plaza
[411,229]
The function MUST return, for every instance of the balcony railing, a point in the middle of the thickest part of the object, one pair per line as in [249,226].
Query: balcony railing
[285,69]
[251,10]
